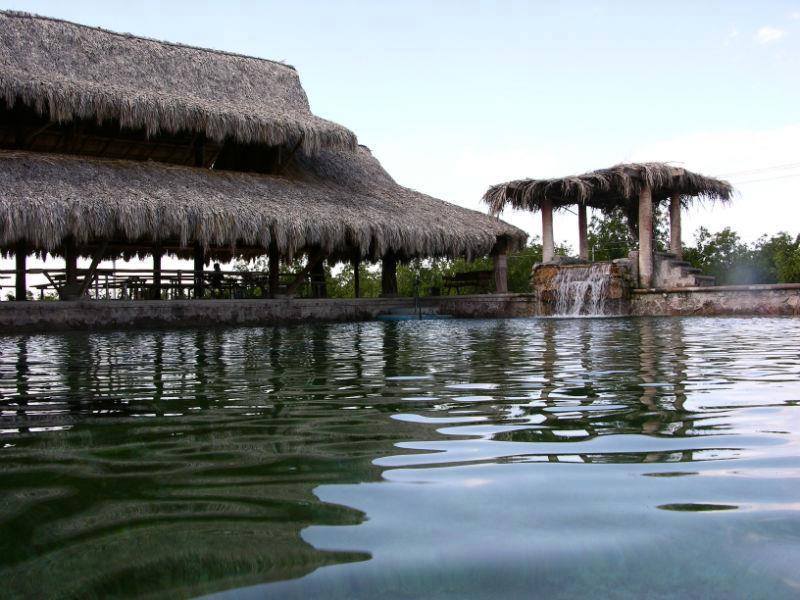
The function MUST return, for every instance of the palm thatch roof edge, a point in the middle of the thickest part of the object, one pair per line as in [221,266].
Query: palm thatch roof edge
[335,200]
[70,71]
[606,189]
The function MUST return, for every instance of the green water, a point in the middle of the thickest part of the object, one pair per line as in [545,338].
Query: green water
[619,458]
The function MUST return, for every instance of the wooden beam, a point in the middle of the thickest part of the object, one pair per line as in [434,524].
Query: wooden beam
[389,276]
[199,145]
[69,291]
[71,261]
[87,279]
[282,165]
[21,254]
[274,270]
[357,276]
[318,287]
[156,289]
[31,136]
[199,276]
[316,256]
[52,281]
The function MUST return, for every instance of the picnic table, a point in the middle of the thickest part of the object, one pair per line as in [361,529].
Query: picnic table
[139,284]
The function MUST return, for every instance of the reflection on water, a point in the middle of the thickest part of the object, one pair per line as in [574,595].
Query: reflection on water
[519,458]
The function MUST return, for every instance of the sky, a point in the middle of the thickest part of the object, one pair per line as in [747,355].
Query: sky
[454,96]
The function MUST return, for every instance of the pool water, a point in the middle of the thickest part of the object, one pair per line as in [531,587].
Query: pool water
[621,458]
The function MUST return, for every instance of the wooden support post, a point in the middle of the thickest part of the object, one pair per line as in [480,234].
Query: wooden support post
[357,276]
[675,225]
[314,257]
[69,290]
[645,238]
[71,262]
[389,276]
[199,148]
[99,253]
[583,233]
[274,270]
[548,244]
[501,273]
[199,275]
[155,292]
[21,255]
[318,286]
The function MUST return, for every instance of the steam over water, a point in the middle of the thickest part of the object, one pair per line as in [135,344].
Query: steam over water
[621,458]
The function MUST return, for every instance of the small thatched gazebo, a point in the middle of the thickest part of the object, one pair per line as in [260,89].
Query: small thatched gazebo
[635,188]
[117,145]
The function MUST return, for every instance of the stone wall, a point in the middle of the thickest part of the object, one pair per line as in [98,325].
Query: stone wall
[116,314]
[121,314]
[767,300]
[484,306]
[546,285]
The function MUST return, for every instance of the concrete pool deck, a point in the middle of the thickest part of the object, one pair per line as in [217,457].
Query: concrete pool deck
[763,300]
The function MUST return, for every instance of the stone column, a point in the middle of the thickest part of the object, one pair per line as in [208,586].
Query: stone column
[645,238]
[675,225]
[583,233]
[548,245]
[20,256]
[199,276]
[501,273]
[389,276]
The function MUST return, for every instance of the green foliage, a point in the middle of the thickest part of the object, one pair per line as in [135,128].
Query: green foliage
[779,257]
[774,259]
[722,254]
[340,281]
[609,236]
[426,276]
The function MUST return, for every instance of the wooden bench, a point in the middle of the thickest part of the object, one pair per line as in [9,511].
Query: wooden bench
[478,280]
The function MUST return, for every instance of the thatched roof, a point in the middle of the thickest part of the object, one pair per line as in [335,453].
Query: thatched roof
[335,200]
[606,189]
[69,71]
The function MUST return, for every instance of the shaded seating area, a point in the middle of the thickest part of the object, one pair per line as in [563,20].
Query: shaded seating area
[475,281]
[634,188]
[140,284]
[201,155]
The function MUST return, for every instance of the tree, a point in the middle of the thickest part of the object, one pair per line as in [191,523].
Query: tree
[778,258]
[609,236]
[722,254]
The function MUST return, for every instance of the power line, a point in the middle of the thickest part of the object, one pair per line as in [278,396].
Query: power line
[762,169]
[767,179]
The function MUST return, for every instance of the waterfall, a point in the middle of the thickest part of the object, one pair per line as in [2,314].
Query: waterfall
[582,289]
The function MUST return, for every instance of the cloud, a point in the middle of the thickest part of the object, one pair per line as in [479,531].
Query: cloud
[795,16]
[768,35]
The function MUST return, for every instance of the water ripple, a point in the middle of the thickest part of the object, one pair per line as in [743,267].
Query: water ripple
[613,457]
